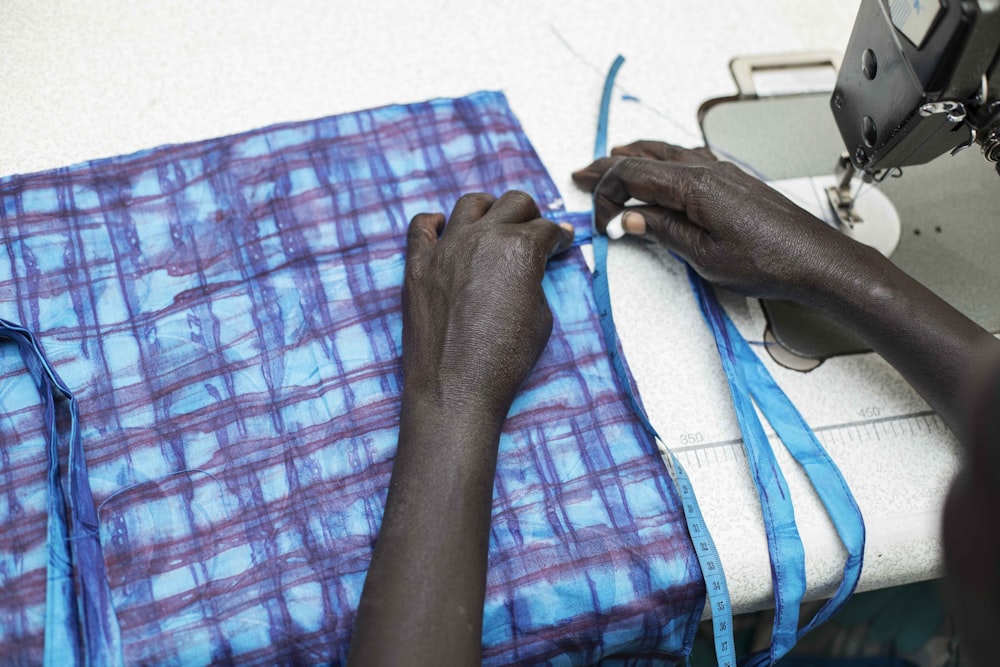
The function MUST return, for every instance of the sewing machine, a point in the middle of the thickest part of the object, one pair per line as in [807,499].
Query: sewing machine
[918,79]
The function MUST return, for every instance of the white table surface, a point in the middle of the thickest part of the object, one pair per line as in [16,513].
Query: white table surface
[87,79]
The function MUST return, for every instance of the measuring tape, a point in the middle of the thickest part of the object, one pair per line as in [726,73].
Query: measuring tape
[751,387]
[750,384]
[704,546]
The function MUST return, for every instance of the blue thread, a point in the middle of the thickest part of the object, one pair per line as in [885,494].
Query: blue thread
[169,475]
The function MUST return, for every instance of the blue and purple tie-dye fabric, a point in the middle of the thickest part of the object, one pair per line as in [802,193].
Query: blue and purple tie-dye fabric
[227,313]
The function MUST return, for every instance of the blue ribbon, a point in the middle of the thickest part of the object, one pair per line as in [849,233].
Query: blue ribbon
[80,622]
[749,383]
[704,545]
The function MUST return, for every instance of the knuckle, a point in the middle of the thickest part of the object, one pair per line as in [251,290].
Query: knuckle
[620,170]
[701,180]
[414,231]
[422,226]
[523,243]
[527,253]
[521,199]
[607,163]
[412,278]
[417,223]
[728,169]
[473,197]
[631,164]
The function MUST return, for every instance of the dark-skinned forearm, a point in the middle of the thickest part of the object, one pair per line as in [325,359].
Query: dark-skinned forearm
[423,597]
[932,345]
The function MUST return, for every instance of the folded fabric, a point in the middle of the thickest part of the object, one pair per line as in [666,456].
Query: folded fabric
[227,314]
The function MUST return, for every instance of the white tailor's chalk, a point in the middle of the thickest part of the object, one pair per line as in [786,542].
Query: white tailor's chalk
[614,230]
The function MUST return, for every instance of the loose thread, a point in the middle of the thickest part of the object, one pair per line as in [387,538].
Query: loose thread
[132,487]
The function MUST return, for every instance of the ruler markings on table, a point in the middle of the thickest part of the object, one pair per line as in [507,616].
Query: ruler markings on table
[856,432]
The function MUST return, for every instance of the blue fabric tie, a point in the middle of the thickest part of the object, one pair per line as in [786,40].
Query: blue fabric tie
[80,622]
[750,383]
[704,545]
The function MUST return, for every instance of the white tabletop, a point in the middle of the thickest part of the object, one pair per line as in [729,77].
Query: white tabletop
[87,79]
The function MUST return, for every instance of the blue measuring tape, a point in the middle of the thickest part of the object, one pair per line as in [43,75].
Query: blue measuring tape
[750,383]
[704,545]
[80,622]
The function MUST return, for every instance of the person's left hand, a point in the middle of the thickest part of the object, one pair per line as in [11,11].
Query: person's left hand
[475,321]
[475,318]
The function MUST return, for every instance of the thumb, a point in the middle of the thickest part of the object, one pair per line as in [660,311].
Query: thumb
[421,237]
[669,228]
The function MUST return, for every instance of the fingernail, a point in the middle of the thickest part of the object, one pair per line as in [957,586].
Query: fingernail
[568,227]
[614,228]
[634,223]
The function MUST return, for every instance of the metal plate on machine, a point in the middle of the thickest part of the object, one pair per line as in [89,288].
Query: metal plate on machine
[949,211]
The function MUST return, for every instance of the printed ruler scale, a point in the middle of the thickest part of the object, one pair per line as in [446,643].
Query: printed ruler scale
[868,450]
[694,453]
[718,601]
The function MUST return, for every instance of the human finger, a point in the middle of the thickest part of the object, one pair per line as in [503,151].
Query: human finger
[421,236]
[590,175]
[659,150]
[514,206]
[667,227]
[666,184]
[471,207]
[605,211]
[551,238]
[614,230]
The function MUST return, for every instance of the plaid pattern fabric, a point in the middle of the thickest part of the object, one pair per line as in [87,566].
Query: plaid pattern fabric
[228,314]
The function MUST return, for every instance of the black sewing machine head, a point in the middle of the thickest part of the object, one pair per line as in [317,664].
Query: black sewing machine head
[919,78]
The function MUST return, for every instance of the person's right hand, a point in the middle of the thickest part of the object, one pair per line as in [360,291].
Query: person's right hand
[731,227]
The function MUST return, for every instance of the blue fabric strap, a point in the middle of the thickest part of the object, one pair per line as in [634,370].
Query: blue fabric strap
[749,383]
[783,543]
[704,545]
[80,622]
